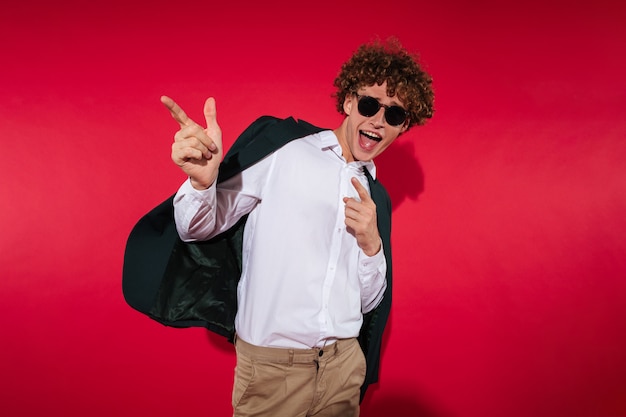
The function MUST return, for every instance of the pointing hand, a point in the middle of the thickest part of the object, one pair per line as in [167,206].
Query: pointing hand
[197,150]
[361,219]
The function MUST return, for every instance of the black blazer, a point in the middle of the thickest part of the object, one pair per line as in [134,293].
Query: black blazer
[195,284]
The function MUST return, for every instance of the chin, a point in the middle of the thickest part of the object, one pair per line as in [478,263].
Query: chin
[364,156]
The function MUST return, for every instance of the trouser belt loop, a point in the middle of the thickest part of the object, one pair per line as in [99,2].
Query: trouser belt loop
[291,353]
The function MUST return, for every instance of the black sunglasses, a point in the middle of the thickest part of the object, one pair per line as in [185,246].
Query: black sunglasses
[369,106]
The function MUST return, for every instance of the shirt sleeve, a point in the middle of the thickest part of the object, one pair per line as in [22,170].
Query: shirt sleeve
[372,276]
[203,214]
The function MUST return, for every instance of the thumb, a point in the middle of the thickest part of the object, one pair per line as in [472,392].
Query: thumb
[210,114]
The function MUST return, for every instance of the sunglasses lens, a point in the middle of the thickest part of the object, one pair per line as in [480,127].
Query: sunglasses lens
[368,106]
[395,115]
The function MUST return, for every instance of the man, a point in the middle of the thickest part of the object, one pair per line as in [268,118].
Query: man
[313,257]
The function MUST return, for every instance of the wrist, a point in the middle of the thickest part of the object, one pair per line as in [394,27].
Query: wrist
[372,249]
[198,185]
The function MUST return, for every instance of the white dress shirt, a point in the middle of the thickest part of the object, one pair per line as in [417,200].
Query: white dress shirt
[305,282]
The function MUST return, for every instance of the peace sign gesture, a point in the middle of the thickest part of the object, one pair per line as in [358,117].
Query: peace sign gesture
[197,150]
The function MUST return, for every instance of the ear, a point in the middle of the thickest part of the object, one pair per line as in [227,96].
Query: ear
[347,104]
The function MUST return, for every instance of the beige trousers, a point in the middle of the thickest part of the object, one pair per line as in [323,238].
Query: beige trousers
[271,382]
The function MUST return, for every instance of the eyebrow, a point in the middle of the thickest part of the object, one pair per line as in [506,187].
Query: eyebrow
[393,102]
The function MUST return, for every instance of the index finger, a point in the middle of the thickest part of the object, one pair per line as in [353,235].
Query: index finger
[177,113]
[363,193]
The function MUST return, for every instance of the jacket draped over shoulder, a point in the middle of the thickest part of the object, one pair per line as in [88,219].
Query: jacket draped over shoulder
[183,284]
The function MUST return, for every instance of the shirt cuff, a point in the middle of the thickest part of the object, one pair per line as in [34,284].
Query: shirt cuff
[187,189]
[191,205]
[371,263]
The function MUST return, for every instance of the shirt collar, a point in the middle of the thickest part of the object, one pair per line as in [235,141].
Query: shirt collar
[328,140]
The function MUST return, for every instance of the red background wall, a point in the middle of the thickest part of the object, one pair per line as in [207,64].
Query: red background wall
[510,289]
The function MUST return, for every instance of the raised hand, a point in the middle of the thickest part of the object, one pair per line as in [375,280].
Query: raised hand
[197,150]
[361,220]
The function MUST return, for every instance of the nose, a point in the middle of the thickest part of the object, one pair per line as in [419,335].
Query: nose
[378,120]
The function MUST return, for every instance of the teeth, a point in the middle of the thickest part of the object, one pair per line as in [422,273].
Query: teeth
[371,135]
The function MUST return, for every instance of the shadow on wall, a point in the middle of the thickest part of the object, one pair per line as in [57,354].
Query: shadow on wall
[396,405]
[400,172]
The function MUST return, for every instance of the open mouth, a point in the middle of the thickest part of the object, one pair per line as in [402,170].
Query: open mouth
[368,140]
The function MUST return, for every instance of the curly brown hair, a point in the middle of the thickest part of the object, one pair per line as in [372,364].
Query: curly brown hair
[377,62]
